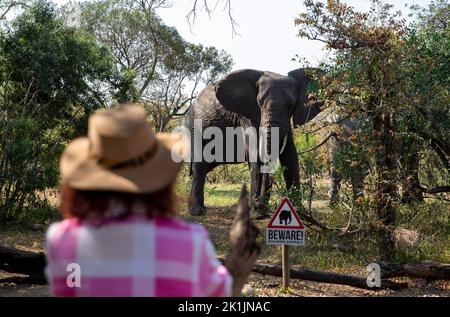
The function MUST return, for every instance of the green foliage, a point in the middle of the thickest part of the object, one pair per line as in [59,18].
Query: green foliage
[222,195]
[154,64]
[312,166]
[430,221]
[47,89]
[311,162]
[53,76]
[428,78]
[394,78]
[229,174]
[348,157]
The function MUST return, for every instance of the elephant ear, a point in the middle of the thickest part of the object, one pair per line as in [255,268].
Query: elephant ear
[238,92]
[303,114]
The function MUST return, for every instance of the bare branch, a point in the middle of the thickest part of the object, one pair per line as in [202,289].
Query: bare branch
[436,190]
[10,5]
[198,7]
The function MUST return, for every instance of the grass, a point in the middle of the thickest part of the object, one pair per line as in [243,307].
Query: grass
[324,250]
[222,195]
[22,237]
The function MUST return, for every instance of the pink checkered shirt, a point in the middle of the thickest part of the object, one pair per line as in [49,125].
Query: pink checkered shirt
[135,257]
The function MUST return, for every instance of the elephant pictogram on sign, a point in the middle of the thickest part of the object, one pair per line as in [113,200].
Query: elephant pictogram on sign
[285,215]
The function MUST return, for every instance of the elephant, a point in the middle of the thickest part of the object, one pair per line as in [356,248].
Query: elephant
[409,179]
[348,126]
[285,215]
[336,140]
[250,98]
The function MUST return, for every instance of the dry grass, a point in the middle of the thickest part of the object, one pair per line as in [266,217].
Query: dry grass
[323,251]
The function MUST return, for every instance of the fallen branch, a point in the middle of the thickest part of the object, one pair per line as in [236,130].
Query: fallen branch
[33,264]
[427,269]
[436,190]
[22,262]
[244,248]
[327,277]
[312,221]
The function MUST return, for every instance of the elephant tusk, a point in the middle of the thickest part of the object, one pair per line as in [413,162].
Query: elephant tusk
[261,149]
[283,147]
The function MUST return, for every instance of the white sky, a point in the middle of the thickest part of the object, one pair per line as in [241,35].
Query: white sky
[267,38]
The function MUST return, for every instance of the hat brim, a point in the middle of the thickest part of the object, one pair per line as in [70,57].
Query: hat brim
[79,171]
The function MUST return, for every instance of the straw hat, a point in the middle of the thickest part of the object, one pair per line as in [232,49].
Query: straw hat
[123,153]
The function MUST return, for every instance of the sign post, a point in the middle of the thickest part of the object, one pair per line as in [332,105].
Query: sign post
[285,229]
[285,266]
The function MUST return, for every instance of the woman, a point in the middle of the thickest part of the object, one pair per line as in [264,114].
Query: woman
[121,236]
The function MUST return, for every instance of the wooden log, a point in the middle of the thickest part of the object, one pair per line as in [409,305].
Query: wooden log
[327,277]
[33,264]
[426,269]
[22,262]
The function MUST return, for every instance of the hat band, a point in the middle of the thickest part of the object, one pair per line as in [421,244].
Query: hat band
[134,162]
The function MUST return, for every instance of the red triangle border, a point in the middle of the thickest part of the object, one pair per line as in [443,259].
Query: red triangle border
[286,199]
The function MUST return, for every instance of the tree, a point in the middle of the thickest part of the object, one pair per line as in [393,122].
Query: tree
[49,76]
[154,62]
[168,95]
[377,73]
[427,70]
[7,6]
[206,7]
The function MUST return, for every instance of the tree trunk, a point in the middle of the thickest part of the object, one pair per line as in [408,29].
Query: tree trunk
[411,192]
[385,190]
[33,264]
[326,277]
[357,180]
[426,269]
[22,262]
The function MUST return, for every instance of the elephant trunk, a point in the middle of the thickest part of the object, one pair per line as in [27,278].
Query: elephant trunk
[266,148]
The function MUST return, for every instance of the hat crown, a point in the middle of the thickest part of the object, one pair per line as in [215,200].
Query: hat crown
[120,134]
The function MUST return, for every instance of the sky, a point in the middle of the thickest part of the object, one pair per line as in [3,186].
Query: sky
[267,38]
[267,35]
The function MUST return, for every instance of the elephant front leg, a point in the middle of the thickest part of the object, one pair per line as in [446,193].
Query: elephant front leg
[335,185]
[266,186]
[255,186]
[289,162]
[197,195]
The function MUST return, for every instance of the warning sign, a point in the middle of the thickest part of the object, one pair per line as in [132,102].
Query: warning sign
[285,227]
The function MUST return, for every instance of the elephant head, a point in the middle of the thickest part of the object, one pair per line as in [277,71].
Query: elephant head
[266,99]
[271,100]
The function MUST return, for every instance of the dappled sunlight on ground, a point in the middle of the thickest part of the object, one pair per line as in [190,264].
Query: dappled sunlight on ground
[323,250]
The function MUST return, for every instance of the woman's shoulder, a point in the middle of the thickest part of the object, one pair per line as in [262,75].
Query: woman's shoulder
[176,223]
[180,224]
[59,228]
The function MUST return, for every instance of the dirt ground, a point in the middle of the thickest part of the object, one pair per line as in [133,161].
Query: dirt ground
[263,285]
[218,221]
